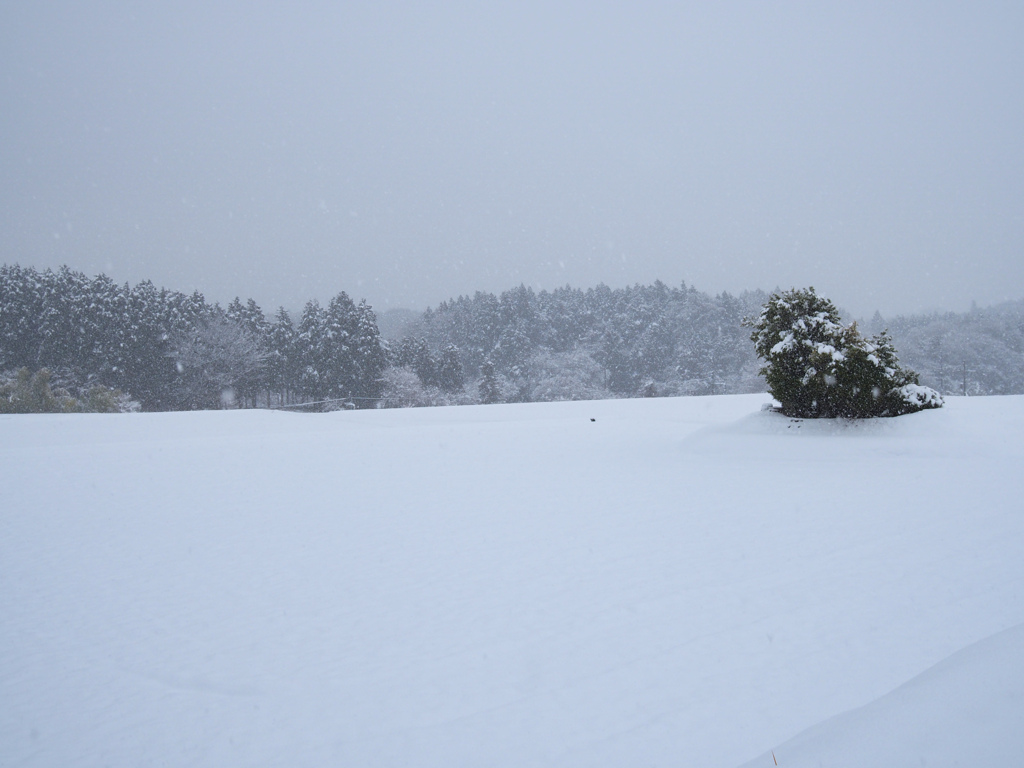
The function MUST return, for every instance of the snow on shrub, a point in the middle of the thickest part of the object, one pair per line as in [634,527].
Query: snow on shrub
[816,367]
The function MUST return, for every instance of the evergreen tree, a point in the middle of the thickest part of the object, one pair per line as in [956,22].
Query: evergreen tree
[312,352]
[61,330]
[21,307]
[145,363]
[450,377]
[414,353]
[105,319]
[818,368]
[490,391]
[282,363]
[340,371]
[369,357]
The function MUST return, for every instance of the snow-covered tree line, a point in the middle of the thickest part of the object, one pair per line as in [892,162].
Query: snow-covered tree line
[656,340]
[172,351]
[169,350]
[584,344]
[980,352]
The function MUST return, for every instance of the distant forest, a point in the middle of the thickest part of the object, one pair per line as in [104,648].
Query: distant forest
[172,351]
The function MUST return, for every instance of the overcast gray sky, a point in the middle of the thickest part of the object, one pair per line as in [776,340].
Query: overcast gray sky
[411,152]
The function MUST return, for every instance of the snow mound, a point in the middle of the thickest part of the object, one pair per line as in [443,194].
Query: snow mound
[965,710]
[773,435]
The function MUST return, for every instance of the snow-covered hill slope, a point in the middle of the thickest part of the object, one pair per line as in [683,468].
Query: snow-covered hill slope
[618,583]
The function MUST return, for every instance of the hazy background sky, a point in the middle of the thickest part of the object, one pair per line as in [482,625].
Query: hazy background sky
[411,152]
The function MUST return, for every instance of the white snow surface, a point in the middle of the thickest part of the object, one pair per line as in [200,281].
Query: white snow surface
[686,581]
[966,710]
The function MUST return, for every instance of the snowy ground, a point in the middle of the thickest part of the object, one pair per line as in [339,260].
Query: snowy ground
[620,583]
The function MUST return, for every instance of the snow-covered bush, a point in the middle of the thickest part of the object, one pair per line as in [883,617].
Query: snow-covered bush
[816,367]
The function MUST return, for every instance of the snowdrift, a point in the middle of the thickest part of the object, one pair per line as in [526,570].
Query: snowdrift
[966,710]
[614,583]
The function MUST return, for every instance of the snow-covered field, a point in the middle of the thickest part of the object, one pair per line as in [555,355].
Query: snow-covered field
[619,583]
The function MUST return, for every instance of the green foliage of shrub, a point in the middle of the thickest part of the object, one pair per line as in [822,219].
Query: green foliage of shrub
[27,392]
[100,399]
[816,367]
